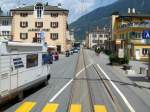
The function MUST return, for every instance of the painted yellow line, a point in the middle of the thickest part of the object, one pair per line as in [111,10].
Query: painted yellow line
[50,107]
[75,108]
[100,108]
[26,107]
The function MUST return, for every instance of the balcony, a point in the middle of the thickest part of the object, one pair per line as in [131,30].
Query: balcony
[135,25]
[36,40]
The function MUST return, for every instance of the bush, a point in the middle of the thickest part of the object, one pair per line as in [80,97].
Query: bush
[113,58]
[108,52]
[98,50]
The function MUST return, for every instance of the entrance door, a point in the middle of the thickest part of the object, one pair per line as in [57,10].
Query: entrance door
[137,54]
[59,48]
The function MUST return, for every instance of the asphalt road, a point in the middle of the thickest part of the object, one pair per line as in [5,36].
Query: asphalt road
[81,82]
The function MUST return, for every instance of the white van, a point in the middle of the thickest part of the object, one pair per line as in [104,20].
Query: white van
[21,67]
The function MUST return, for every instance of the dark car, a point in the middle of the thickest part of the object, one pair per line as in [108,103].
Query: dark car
[55,56]
[67,54]
[71,51]
[75,50]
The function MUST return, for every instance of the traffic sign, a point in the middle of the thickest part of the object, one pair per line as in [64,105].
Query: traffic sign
[146,34]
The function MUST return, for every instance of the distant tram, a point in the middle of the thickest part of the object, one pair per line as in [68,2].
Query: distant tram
[22,66]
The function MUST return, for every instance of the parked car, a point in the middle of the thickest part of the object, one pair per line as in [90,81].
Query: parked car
[67,53]
[75,50]
[71,52]
[55,56]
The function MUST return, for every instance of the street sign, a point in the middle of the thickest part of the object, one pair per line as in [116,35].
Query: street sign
[121,53]
[146,34]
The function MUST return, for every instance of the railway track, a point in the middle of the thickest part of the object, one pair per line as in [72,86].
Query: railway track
[91,98]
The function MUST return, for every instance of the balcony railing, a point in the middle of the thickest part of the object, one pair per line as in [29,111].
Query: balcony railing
[36,40]
[135,25]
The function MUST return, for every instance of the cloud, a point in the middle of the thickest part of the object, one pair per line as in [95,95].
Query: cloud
[77,8]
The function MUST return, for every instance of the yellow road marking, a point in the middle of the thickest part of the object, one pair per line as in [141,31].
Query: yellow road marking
[100,108]
[50,108]
[75,108]
[26,107]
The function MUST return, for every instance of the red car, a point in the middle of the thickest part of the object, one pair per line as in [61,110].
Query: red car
[55,56]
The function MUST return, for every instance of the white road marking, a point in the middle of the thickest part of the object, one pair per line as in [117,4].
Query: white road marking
[66,85]
[117,89]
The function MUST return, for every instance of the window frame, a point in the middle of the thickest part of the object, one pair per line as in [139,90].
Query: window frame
[29,59]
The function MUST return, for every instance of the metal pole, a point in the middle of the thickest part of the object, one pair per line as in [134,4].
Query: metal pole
[148,74]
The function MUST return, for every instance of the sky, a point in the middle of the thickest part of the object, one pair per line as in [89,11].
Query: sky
[76,8]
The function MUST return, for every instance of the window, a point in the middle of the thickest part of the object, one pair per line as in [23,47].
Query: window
[54,24]
[54,36]
[94,34]
[39,10]
[5,33]
[5,22]
[100,35]
[23,36]
[32,60]
[23,14]
[39,24]
[23,24]
[54,14]
[38,37]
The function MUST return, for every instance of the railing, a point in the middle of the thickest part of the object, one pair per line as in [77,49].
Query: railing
[36,40]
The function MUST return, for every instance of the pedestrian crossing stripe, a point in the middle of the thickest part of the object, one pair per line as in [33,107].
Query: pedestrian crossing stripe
[75,108]
[50,108]
[26,107]
[53,107]
[100,108]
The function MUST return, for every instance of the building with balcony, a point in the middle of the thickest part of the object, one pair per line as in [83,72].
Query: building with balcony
[5,28]
[127,32]
[97,37]
[32,23]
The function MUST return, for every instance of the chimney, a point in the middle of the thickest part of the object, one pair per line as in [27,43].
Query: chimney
[133,10]
[129,10]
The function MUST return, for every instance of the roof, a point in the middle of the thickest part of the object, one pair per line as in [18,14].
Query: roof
[46,8]
[6,17]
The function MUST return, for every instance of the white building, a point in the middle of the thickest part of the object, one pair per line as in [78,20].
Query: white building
[5,27]
[97,37]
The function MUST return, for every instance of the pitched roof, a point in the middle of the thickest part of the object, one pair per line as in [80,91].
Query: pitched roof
[46,8]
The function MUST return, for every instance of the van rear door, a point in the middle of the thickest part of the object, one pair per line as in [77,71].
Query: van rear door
[4,75]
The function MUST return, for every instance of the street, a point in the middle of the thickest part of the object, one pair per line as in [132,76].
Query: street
[84,82]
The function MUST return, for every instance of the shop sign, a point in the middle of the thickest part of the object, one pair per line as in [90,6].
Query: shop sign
[118,41]
[37,29]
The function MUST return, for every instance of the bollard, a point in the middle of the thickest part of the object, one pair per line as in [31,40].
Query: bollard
[142,70]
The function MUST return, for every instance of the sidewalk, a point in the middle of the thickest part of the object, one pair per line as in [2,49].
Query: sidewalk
[137,78]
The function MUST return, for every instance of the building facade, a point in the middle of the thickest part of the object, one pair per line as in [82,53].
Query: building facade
[5,27]
[127,33]
[32,23]
[97,37]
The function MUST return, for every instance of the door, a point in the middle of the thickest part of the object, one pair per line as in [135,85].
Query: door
[59,48]
[137,54]
[4,75]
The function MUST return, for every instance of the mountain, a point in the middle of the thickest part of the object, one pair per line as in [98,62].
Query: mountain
[102,16]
